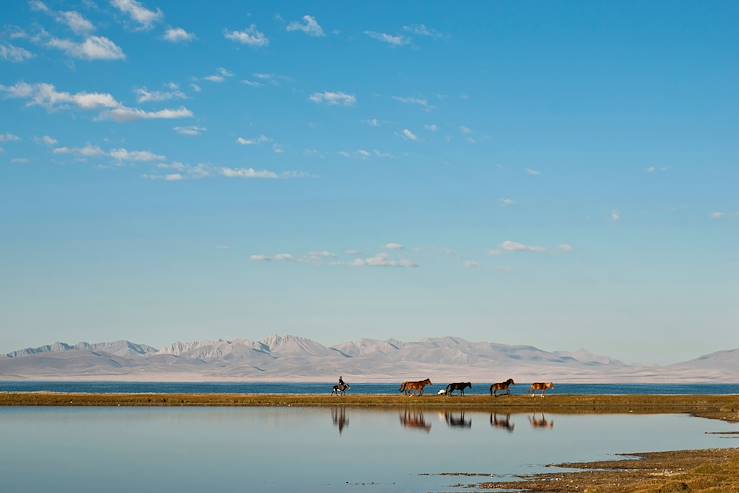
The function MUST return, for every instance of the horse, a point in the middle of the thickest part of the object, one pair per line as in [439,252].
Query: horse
[457,386]
[502,423]
[502,386]
[540,386]
[340,389]
[409,387]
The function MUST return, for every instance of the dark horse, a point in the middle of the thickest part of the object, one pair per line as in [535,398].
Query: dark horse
[502,386]
[340,389]
[457,386]
[417,387]
[502,423]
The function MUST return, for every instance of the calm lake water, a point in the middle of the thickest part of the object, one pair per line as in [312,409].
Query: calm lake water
[367,388]
[310,450]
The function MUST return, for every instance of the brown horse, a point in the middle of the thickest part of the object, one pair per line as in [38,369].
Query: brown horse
[502,386]
[457,386]
[457,422]
[541,387]
[409,387]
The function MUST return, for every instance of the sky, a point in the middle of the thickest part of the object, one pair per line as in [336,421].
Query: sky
[561,174]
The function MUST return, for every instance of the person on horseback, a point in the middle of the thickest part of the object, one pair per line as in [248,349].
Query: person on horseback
[341,381]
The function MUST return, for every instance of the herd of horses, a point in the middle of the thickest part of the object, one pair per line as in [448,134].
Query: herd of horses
[416,388]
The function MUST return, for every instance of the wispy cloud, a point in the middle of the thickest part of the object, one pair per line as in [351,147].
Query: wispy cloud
[144,95]
[124,114]
[423,30]
[7,137]
[86,151]
[408,135]
[262,139]
[391,39]
[221,75]
[46,140]
[309,25]
[92,48]
[615,216]
[384,260]
[336,98]
[509,246]
[471,264]
[249,36]
[393,246]
[656,169]
[15,54]
[431,127]
[140,156]
[144,17]
[75,21]
[190,130]
[532,172]
[423,103]
[506,202]
[178,35]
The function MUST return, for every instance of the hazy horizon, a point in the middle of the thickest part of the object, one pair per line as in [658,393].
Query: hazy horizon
[562,174]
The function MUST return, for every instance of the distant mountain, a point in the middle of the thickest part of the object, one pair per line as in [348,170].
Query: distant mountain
[301,359]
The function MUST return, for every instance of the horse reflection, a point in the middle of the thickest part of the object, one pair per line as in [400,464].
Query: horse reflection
[497,422]
[457,421]
[338,416]
[414,419]
[542,422]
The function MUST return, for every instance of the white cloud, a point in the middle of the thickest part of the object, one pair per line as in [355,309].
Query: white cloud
[220,75]
[333,98]
[393,246]
[173,177]
[656,169]
[566,248]
[432,127]
[249,36]
[75,21]
[422,30]
[86,151]
[615,216]
[190,131]
[309,26]
[506,202]
[516,247]
[144,95]
[373,122]
[15,54]
[92,48]
[248,173]
[408,135]
[46,140]
[144,17]
[47,96]
[262,139]
[471,264]
[260,258]
[178,35]
[322,254]
[423,103]
[124,114]
[718,215]
[20,160]
[9,138]
[141,156]
[532,172]
[465,130]
[383,260]
[391,39]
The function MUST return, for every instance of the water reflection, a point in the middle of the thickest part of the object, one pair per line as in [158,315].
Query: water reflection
[457,421]
[504,423]
[412,418]
[338,416]
[542,422]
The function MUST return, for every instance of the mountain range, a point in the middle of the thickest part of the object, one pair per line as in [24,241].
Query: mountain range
[292,358]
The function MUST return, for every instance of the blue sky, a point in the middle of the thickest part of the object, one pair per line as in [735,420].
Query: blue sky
[562,174]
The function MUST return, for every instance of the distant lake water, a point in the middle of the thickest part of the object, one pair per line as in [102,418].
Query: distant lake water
[359,388]
[311,450]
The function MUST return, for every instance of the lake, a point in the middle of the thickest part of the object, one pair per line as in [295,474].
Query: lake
[311,449]
[367,388]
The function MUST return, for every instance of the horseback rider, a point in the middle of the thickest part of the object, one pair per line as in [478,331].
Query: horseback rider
[341,381]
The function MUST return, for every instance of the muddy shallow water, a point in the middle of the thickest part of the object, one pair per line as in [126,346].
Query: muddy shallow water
[312,449]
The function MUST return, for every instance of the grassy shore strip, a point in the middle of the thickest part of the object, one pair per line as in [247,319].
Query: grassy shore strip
[665,472]
[709,406]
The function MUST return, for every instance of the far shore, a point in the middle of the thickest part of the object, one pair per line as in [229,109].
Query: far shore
[724,407]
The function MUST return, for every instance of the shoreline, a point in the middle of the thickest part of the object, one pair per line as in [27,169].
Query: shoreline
[714,470]
[723,407]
